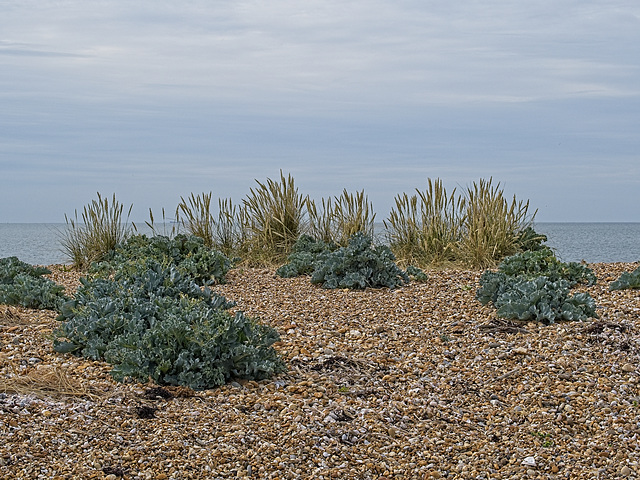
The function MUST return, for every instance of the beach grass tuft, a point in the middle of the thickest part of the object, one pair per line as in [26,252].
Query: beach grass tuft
[102,226]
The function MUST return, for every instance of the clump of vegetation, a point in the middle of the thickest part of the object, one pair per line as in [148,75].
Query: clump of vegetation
[478,228]
[537,298]
[627,280]
[24,285]
[188,253]
[305,254]
[536,286]
[101,229]
[416,274]
[276,216]
[151,319]
[425,228]
[225,232]
[528,239]
[341,218]
[358,265]
[543,262]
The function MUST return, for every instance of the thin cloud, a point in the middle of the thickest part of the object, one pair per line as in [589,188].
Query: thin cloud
[165,98]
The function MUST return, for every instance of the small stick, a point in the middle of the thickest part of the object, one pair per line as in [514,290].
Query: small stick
[508,374]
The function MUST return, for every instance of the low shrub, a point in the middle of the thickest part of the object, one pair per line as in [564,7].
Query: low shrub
[543,262]
[358,265]
[627,280]
[188,253]
[537,299]
[151,320]
[529,239]
[416,274]
[24,285]
[304,255]
[534,285]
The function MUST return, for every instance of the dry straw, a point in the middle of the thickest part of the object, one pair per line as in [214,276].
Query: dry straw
[49,381]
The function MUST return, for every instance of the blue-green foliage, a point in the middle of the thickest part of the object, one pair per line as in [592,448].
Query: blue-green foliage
[23,284]
[358,265]
[536,299]
[529,239]
[536,286]
[187,253]
[627,280]
[543,262]
[304,255]
[151,320]
[416,274]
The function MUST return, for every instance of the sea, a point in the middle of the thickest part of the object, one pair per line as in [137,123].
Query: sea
[40,243]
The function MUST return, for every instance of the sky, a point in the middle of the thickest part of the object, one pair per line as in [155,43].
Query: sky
[155,100]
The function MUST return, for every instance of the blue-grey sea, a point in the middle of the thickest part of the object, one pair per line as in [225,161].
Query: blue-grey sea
[39,243]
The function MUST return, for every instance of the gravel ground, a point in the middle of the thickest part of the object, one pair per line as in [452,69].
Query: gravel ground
[418,382]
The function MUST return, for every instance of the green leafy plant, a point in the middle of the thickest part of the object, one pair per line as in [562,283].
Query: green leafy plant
[627,280]
[306,252]
[101,229]
[23,284]
[543,300]
[528,239]
[152,321]
[536,286]
[188,253]
[416,274]
[358,265]
[543,262]
[545,438]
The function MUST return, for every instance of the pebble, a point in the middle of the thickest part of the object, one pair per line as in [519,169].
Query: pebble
[367,393]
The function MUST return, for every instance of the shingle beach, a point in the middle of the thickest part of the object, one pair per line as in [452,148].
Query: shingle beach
[414,383]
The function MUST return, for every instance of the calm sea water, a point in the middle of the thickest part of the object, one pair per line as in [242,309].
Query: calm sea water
[39,243]
[593,242]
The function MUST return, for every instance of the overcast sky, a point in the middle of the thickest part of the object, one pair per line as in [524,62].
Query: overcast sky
[153,100]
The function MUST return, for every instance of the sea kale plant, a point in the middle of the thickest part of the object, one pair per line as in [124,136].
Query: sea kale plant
[543,262]
[358,265]
[24,285]
[627,280]
[534,285]
[151,319]
[305,254]
[188,253]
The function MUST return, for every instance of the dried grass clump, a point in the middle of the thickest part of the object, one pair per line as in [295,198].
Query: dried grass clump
[49,381]
[476,229]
